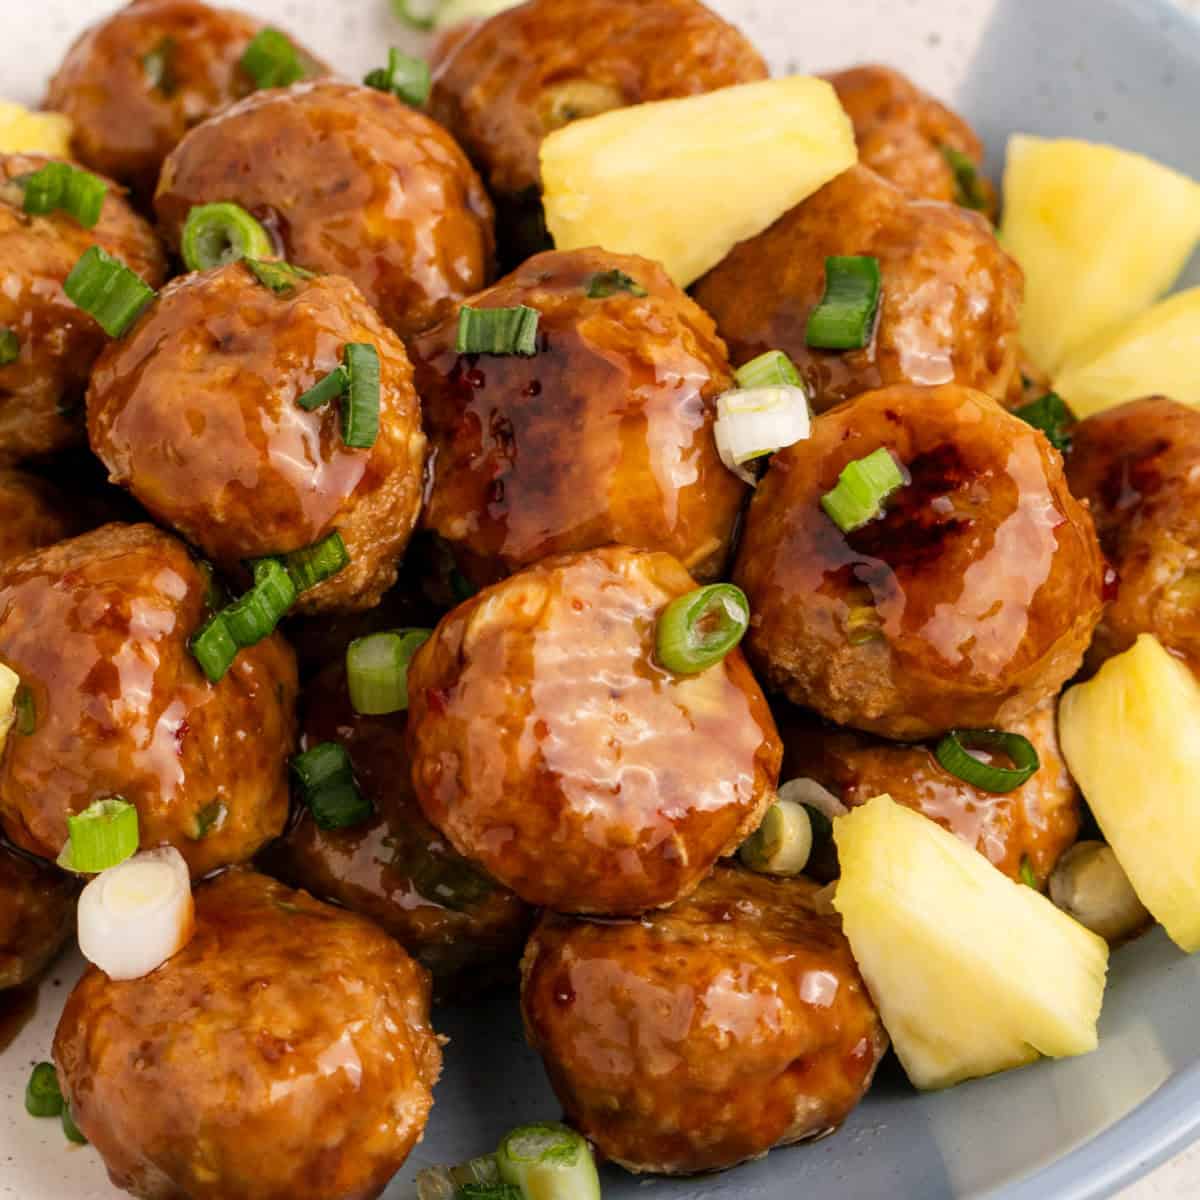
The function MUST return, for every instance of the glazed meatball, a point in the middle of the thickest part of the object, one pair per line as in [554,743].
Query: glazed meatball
[351,181]
[195,412]
[37,916]
[41,391]
[396,868]
[949,306]
[136,82]
[707,1034]
[965,605]
[511,80]
[904,134]
[1020,832]
[551,748]
[97,628]
[284,1053]
[1137,467]
[605,435]
[33,514]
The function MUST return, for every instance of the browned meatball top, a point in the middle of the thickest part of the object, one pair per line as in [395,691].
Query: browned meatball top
[41,393]
[550,747]
[1022,831]
[605,435]
[1137,466]
[284,1053]
[903,132]
[195,411]
[137,81]
[708,1033]
[531,69]
[33,514]
[37,915]
[950,298]
[967,603]
[396,868]
[351,181]
[97,628]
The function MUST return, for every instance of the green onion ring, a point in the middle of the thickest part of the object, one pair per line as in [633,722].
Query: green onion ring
[952,756]
[698,630]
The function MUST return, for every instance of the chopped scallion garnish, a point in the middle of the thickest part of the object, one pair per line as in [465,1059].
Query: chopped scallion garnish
[159,66]
[254,615]
[43,1098]
[216,234]
[316,563]
[281,277]
[26,709]
[325,391]
[845,318]
[497,330]
[60,186]
[70,1128]
[417,14]
[328,789]
[10,346]
[214,647]
[549,1160]
[104,835]
[757,422]
[272,60]
[405,77]
[863,488]
[1050,414]
[377,670]
[360,409]
[698,630]
[770,370]
[108,290]
[952,753]
[609,283]
[782,843]
[969,191]
[1028,878]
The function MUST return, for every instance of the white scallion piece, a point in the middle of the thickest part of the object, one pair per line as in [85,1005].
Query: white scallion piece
[135,916]
[754,422]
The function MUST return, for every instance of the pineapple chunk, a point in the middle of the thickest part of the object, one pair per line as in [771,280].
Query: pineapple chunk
[1155,354]
[1100,233]
[25,132]
[972,973]
[683,181]
[1131,736]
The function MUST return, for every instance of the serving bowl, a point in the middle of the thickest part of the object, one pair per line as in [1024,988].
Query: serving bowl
[1123,71]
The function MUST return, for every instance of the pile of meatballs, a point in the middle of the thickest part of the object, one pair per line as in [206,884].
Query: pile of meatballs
[554,805]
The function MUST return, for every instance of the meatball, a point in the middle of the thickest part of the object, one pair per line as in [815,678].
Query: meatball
[1020,832]
[37,916]
[97,628]
[195,411]
[137,81]
[33,514]
[41,391]
[1137,467]
[284,1053]
[351,181]
[551,748]
[904,134]
[605,435]
[969,601]
[707,1034]
[511,80]
[396,868]
[948,310]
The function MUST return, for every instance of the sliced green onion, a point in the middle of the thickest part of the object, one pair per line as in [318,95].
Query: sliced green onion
[609,283]
[443,1183]
[216,234]
[406,77]
[773,369]
[329,388]
[969,191]
[316,563]
[1028,878]
[281,277]
[454,12]
[863,488]
[782,843]
[254,615]
[272,60]
[489,1191]
[1050,414]
[698,630]
[159,66]
[497,330]
[10,346]
[214,647]
[42,1095]
[360,411]
[60,186]
[548,1161]
[108,290]
[70,1128]
[26,708]
[211,817]
[757,422]
[328,789]
[952,754]
[416,14]
[845,318]
[104,835]
[377,670]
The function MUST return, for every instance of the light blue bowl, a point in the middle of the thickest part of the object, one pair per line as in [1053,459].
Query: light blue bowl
[1126,72]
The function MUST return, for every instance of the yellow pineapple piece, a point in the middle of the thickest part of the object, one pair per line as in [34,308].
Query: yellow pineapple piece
[972,973]
[1155,354]
[1131,736]
[683,181]
[26,132]
[1100,233]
